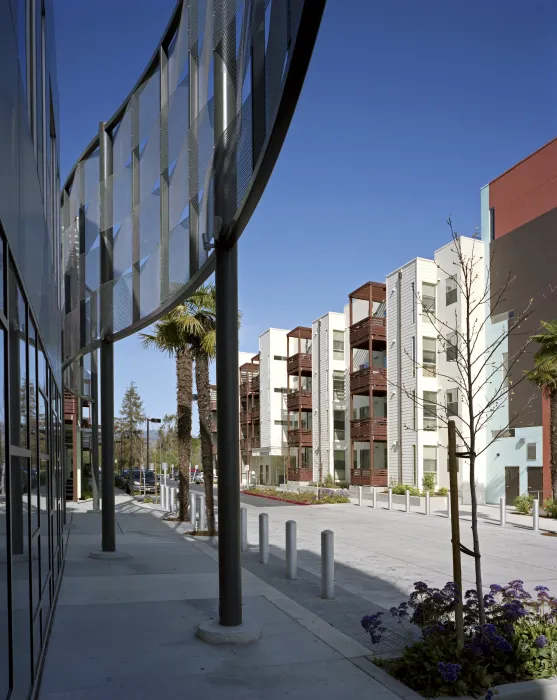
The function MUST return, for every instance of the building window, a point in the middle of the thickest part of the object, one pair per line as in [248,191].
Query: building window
[281,390]
[429,357]
[531,450]
[430,410]
[413,288]
[281,422]
[492,223]
[450,291]
[340,465]
[339,425]
[452,403]
[414,410]
[451,347]
[413,356]
[430,460]
[496,434]
[428,298]
[279,357]
[338,345]
[338,385]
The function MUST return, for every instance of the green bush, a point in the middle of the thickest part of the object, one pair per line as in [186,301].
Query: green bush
[524,503]
[443,491]
[86,490]
[329,482]
[325,495]
[401,489]
[551,508]
[428,482]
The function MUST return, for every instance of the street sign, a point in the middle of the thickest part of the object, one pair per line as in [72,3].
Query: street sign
[164,467]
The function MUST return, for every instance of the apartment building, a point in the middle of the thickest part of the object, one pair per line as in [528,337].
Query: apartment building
[328,398]
[366,363]
[250,426]
[299,349]
[425,313]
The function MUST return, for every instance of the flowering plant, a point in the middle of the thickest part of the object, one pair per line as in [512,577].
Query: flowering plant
[517,642]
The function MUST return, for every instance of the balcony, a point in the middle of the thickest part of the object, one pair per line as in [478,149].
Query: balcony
[300,438]
[254,384]
[213,405]
[299,361]
[255,413]
[368,429]
[256,442]
[369,377]
[369,477]
[244,387]
[244,444]
[245,416]
[213,426]
[361,331]
[299,400]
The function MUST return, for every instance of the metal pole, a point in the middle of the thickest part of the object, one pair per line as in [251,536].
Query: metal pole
[163,497]
[536,515]
[407,501]
[202,514]
[107,348]
[448,505]
[291,552]
[455,532]
[147,467]
[360,495]
[193,509]
[390,499]
[94,446]
[427,503]
[502,511]
[374,497]
[244,529]
[327,564]
[172,499]
[263,538]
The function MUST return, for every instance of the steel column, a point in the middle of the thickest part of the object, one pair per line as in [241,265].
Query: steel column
[94,446]
[193,165]
[107,348]
[164,178]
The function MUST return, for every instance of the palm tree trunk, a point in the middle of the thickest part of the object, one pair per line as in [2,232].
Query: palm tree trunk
[204,408]
[553,442]
[183,420]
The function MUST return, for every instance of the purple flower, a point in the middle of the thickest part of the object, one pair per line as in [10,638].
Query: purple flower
[420,586]
[489,695]
[517,583]
[449,672]
[540,589]
[502,644]
[541,641]
[495,588]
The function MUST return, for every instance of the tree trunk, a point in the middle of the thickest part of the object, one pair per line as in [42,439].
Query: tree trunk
[553,442]
[183,420]
[476,541]
[204,408]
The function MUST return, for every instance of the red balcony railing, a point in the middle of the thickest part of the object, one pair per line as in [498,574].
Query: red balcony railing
[369,377]
[299,361]
[299,400]
[368,429]
[372,325]
[369,477]
[300,438]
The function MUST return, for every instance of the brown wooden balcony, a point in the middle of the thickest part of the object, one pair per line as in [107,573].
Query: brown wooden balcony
[299,400]
[300,438]
[254,384]
[369,477]
[244,444]
[214,405]
[244,387]
[299,361]
[245,416]
[256,442]
[370,377]
[361,331]
[368,429]
[255,413]
[213,426]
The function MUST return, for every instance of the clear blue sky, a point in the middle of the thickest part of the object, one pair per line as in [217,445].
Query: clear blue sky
[409,107]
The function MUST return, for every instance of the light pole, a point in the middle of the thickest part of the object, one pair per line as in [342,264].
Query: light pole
[149,421]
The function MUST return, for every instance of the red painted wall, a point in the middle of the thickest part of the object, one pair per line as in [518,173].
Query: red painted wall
[526,191]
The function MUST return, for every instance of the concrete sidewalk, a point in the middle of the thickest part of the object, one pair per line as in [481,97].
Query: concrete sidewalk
[126,629]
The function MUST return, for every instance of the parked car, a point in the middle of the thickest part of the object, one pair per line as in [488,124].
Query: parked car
[141,481]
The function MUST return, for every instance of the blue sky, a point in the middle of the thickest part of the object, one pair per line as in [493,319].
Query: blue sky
[409,107]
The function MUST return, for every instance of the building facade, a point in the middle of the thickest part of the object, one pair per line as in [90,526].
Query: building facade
[299,368]
[31,406]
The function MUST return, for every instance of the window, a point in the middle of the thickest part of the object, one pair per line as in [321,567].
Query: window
[503,316]
[413,356]
[281,390]
[430,460]
[279,357]
[429,356]
[338,345]
[450,291]
[430,410]
[413,289]
[414,410]
[428,298]
[340,465]
[338,385]
[452,402]
[496,434]
[281,422]
[339,425]
[451,347]
[492,223]
[531,450]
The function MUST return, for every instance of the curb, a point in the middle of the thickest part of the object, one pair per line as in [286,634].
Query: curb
[276,498]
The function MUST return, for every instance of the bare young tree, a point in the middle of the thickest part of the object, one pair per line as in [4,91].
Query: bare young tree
[477,369]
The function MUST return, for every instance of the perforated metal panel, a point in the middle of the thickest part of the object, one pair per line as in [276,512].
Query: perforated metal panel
[159,199]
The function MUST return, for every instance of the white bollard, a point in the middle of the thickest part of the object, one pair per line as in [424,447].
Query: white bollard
[536,515]
[172,499]
[327,564]
[163,497]
[502,511]
[407,501]
[244,529]
[291,552]
[202,511]
[427,503]
[390,499]
[374,497]
[263,538]
[193,509]
[360,495]
[448,505]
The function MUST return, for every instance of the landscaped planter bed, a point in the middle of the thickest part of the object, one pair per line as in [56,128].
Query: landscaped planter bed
[304,498]
[277,498]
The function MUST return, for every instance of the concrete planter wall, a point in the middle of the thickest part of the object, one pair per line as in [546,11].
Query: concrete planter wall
[544,689]
[416,501]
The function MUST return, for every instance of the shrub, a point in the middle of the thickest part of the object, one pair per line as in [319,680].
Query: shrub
[428,482]
[518,641]
[329,481]
[551,508]
[401,489]
[524,503]
[325,495]
[443,491]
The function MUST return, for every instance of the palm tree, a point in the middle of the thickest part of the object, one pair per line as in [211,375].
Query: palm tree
[544,375]
[178,334]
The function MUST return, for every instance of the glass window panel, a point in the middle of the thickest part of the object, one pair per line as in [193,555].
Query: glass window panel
[42,368]
[339,425]
[35,569]
[429,357]
[452,403]
[450,291]
[4,631]
[430,410]
[451,347]
[338,385]
[428,298]
[44,520]
[340,465]
[33,432]
[2,275]
[430,459]
[338,345]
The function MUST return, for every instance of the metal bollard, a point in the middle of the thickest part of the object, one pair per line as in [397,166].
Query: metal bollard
[536,515]
[327,564]
[263,538]
[172,499]
[502,511]
[407,501]
[390,499]
[374,497]
[360,495]
[202,511]
[193,509]
[448,505]
[163,497]
[291,552]
[427,503]
[244,529]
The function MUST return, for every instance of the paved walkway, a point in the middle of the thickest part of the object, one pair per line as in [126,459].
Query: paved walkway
[126,629]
